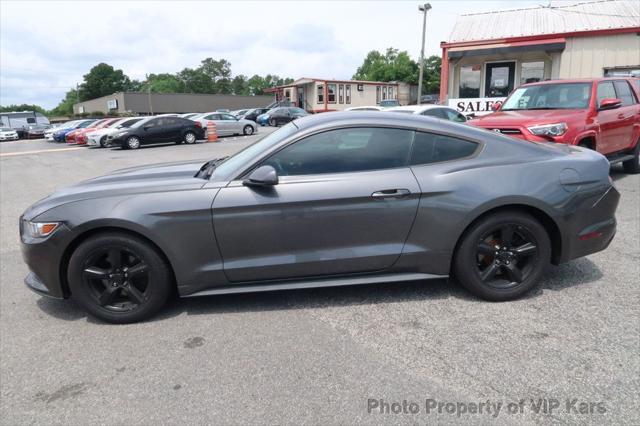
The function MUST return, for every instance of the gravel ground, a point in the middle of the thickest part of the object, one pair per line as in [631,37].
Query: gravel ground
[322,356]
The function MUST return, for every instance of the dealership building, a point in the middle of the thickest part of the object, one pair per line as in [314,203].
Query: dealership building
[140,103]
[323,95]
[489,54]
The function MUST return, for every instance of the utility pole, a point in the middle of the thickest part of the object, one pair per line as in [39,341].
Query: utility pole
[424,8]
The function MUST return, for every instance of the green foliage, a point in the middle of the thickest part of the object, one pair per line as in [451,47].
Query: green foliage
[103,80]
[96,114]
[163,83]
[65,107]
[23,107]
[395,65]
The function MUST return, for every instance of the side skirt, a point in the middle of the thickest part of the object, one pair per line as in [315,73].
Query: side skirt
[315,283]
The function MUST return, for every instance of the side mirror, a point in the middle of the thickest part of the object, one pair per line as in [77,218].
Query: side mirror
[263,176]
[610,103]
[496,106]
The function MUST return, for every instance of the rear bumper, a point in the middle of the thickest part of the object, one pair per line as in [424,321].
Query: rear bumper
[592,227]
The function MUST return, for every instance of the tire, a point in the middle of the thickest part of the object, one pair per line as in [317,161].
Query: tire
[103,142]
[114,302]
[248,130]
[273,122]
[133,142]
[633,166]
[190,138]
[507,274]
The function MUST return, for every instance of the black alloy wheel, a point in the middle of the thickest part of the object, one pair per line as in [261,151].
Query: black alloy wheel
[119,278]
[502,256]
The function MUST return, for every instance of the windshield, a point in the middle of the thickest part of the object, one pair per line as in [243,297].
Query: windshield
[226,170]
[389,103]
[5,129]
[549,96]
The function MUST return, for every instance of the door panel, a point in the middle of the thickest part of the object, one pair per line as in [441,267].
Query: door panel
[611,127]
[315,225]
[626,114]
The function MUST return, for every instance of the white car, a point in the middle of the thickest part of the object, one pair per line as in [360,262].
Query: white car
[366,108]
[99,137]
[431,110]
[226,124]
[8,134]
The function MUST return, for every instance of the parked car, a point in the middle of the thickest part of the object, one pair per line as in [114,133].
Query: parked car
[8,134]
[36,131]
[20,121]
[189,114]
[222,110]
[82,135]
[388,103]
[430,99]
[332,199]
[70,137]
[366,108]
[48,134]
[239,112]
[253,114]
[60,134]
[227,124]
[281,115]
[602,114]
[99,137]
[436,111]
[157,130]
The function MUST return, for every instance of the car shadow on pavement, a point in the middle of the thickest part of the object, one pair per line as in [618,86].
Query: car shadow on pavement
[557,278]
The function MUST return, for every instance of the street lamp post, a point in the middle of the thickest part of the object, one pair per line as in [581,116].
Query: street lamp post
[424,8]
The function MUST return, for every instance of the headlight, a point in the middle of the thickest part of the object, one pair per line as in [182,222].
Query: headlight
[556,129]
[39,229]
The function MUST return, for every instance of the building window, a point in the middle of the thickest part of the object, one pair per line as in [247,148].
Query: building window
[532,72]
[391,93]
[378,91]
[384,93]
[287,94]
[341,93]
[331,93]
[622,72]
[347,92]
[320,94]
[470,81]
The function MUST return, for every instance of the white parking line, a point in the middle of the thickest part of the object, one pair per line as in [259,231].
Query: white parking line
[13,154]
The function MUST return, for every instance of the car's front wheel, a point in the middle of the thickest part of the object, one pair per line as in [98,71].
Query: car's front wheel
[103,141]
[248,130]
[133,142]
[502,256]
[273,122]
[190,137]
[119,278]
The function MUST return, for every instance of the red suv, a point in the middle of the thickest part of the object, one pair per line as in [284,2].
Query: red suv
[601,114]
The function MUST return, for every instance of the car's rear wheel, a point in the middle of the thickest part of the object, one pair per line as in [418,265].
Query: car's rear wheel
[273,122]
[633,166]
[502,256]
[133,142]
[190,137]
[248,130]
[119,278]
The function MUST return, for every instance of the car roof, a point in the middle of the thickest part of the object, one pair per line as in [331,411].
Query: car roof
[416,109]
[576,80]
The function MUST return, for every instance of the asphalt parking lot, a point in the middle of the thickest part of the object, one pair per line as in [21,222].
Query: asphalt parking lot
[322,356]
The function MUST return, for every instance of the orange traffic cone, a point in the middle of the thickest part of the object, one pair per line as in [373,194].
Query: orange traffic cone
[212,135]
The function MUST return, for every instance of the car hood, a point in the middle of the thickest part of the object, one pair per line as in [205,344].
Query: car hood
[526,117]
[152,178]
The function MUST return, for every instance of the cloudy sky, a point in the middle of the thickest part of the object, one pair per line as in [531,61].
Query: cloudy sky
[47,46]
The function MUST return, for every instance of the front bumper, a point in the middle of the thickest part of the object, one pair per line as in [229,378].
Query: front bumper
[9,138]
[36,285]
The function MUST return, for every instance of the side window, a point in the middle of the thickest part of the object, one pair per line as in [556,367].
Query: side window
[431,148]
[153,123]
[605,91]
[453,115]
[434,112]
[624,93]
[228,117]
[170,121]
[344,151]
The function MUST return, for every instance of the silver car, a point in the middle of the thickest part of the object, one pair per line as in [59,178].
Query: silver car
[227,124]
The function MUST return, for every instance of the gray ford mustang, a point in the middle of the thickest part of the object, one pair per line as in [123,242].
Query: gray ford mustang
[332,199]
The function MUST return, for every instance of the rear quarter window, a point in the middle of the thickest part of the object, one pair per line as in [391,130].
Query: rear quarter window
[429,148]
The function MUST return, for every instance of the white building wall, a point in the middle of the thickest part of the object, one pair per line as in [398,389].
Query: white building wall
[587,57]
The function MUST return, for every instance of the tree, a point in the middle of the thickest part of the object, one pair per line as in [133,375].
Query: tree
[239,85]
[65,107]
[219,71]
[392,66]
[196,81]
[163,83]
[23,107]
[103,80]
[431,77]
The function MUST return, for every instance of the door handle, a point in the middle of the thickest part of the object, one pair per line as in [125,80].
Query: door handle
[391,193]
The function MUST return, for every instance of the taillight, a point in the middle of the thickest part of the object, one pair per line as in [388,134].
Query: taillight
[198,124]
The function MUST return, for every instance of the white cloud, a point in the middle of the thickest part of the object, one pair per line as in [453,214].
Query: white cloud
[63,40]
